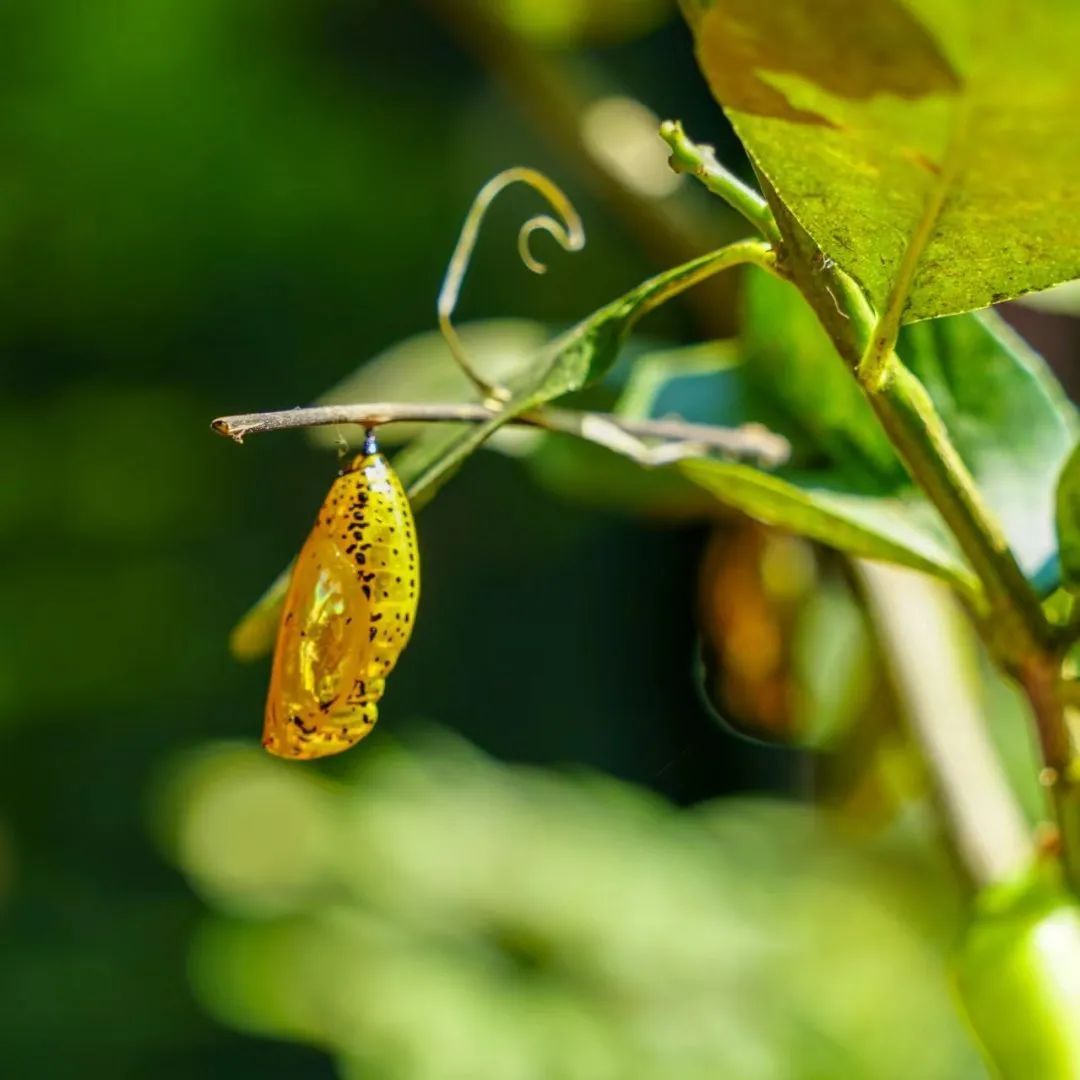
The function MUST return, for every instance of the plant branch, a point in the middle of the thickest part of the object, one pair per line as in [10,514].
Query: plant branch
[1039,676]
[700,161]
[1014,626]
[918,433]
[1015,629]
[915,428]
[750,440]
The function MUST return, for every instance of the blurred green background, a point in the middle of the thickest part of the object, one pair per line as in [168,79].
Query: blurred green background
[214,206]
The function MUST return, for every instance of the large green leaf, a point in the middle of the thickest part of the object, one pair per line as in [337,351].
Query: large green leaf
[931,149]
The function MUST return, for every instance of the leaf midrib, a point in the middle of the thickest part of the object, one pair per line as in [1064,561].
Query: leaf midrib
[888,326]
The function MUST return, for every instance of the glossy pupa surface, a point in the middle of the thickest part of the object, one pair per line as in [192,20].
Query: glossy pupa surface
[348,614]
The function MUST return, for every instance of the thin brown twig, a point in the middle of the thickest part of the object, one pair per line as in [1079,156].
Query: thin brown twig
[747,441]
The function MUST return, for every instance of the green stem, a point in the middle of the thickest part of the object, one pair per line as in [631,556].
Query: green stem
[700,161]
[919,435]
[1014,625]
[914,427]
[1016,630]
[660,288]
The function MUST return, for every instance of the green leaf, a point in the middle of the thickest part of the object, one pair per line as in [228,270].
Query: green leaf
[777,381]
[875,526]
[656,368]
[1018,973]
[1008,418]
[1068,520]
[1005,412]
[789,357]
[930,149]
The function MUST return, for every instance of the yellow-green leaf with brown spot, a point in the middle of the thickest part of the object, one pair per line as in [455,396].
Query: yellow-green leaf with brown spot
[931,149]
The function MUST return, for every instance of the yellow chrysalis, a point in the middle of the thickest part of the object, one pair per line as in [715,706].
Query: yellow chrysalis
[348,614]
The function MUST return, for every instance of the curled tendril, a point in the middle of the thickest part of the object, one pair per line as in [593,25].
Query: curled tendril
[545,223]
[568,233]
